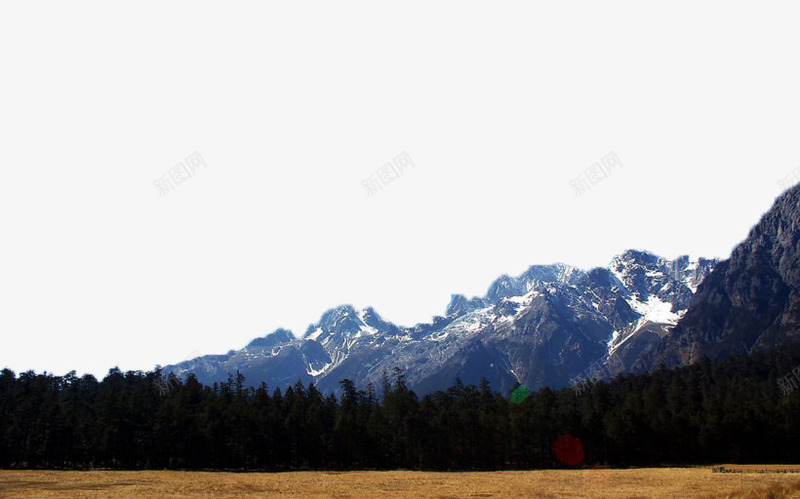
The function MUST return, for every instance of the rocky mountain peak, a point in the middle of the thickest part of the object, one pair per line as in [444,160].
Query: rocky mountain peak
[278,337]
[750,301]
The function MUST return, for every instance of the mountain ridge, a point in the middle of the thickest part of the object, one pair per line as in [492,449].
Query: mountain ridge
[751,301]
[542,327]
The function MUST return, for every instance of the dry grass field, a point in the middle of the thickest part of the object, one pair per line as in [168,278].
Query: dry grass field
[759,468]
[639,483]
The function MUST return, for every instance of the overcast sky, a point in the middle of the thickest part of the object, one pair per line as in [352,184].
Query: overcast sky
[285,109]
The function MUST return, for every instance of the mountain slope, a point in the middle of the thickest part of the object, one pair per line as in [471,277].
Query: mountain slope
[750,301]
[545,327]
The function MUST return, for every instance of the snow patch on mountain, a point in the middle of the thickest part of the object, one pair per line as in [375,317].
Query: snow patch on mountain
[655,310]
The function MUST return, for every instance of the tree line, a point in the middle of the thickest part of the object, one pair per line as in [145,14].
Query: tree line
[731,410]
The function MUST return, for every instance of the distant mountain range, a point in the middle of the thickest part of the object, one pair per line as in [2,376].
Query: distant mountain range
[553,325]
[542,328]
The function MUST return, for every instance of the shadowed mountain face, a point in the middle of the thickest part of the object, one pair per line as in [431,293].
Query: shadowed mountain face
[751,301]
[545,327]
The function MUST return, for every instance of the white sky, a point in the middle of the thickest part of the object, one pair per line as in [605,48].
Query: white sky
[293,104]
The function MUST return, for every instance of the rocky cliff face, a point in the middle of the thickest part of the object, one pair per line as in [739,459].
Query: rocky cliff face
[750,301]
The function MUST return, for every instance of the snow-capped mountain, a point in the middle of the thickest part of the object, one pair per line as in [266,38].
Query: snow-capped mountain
[546,327]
